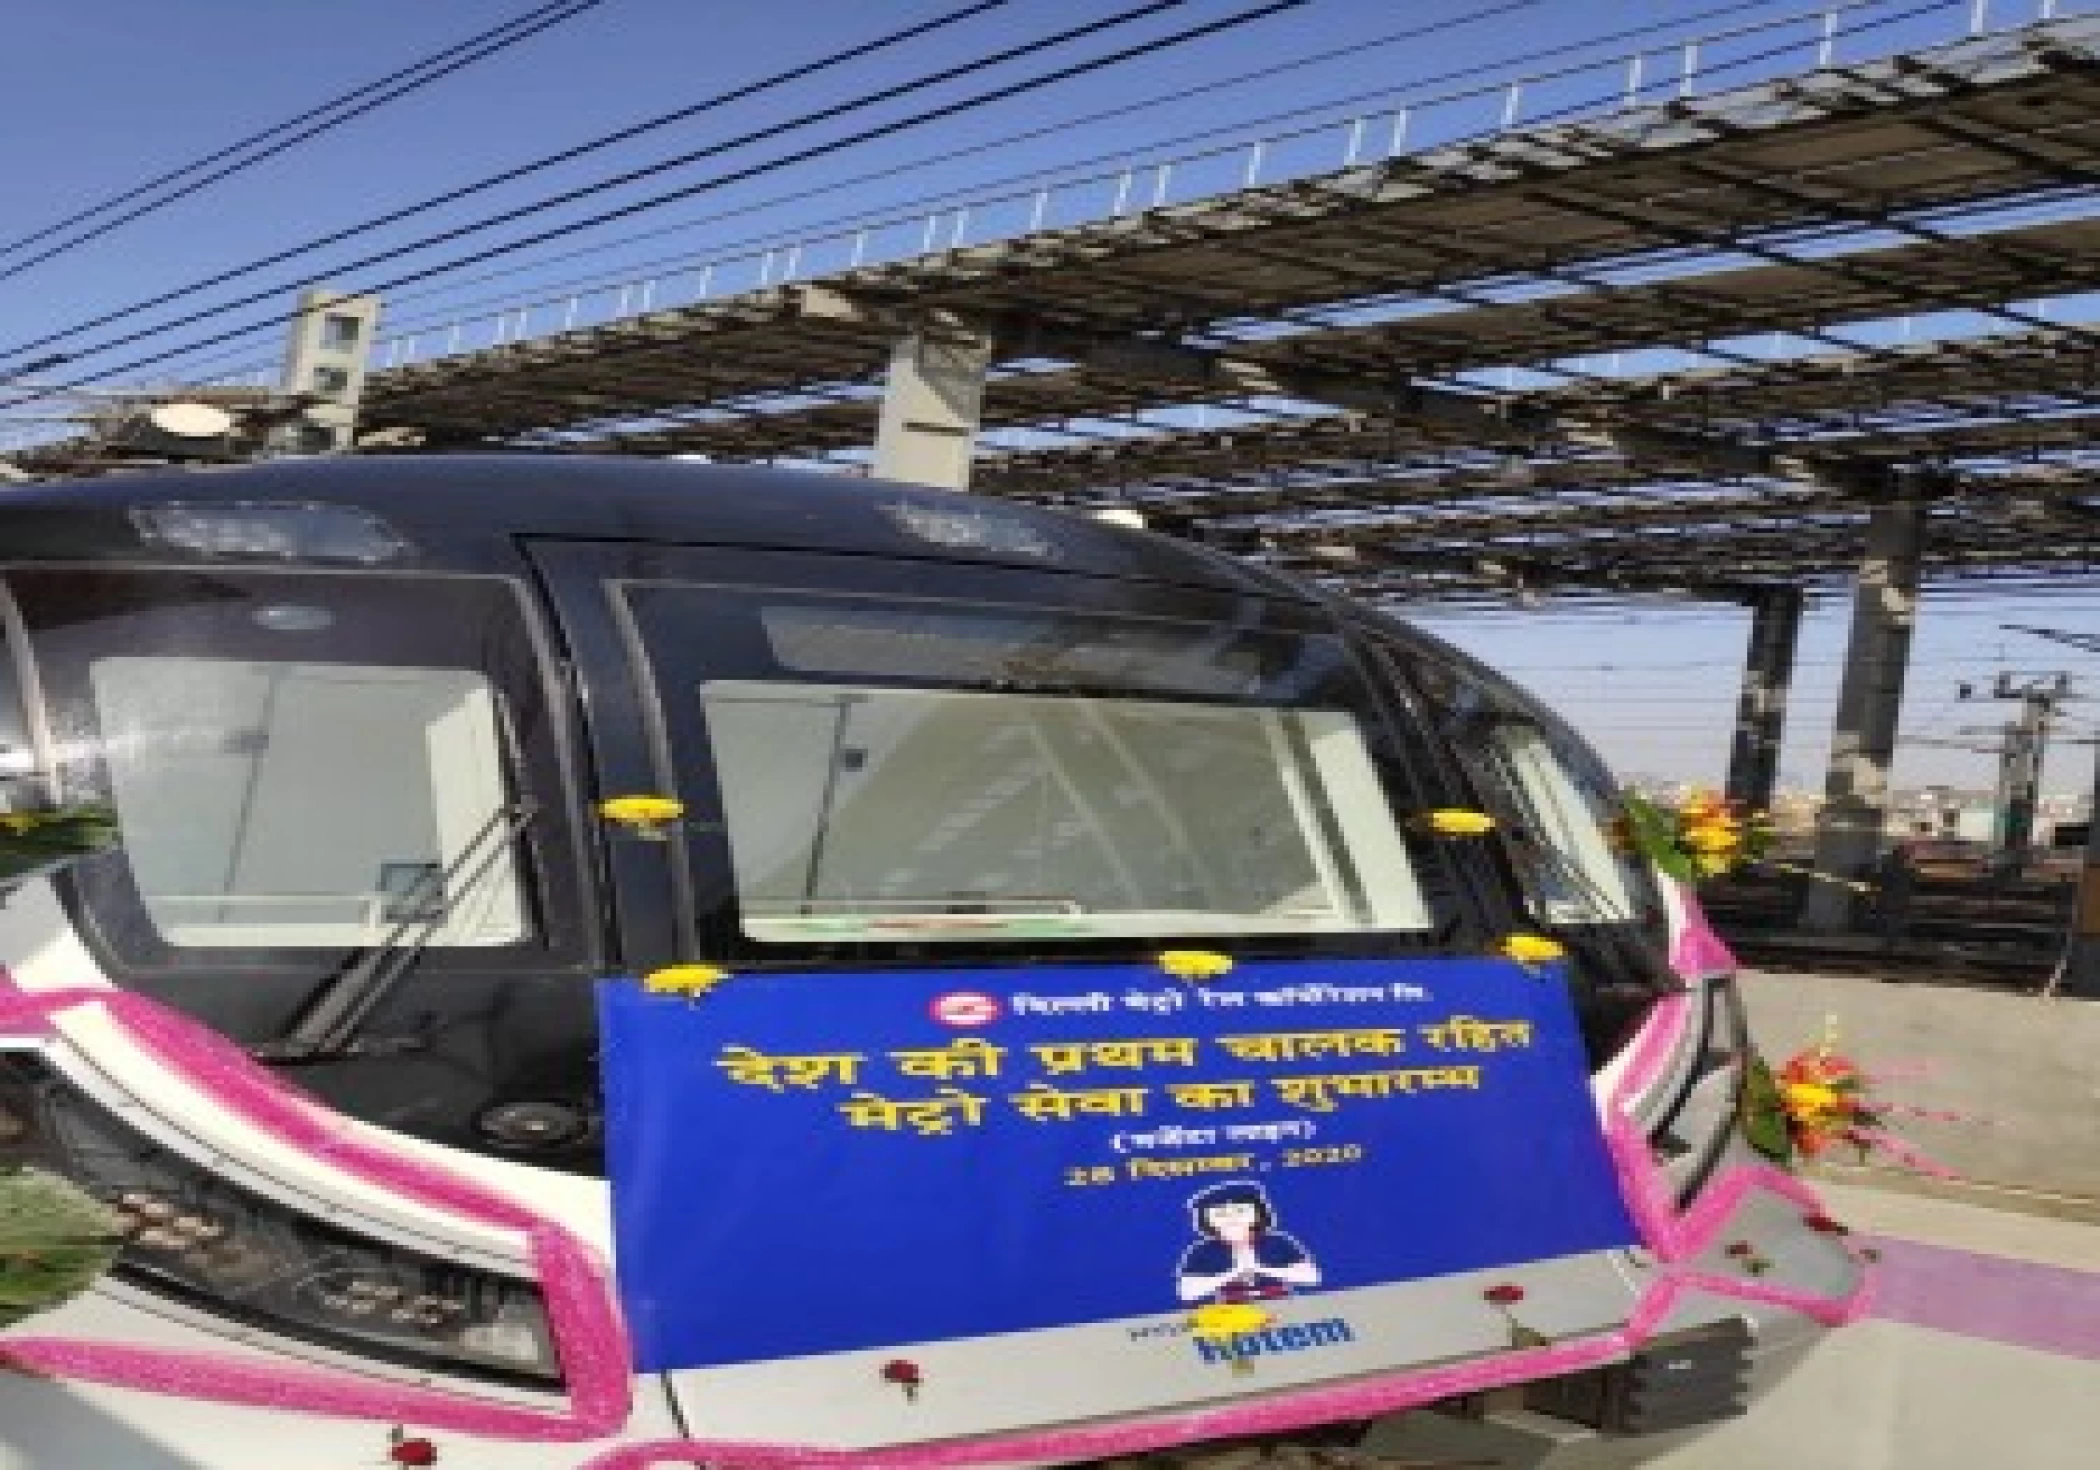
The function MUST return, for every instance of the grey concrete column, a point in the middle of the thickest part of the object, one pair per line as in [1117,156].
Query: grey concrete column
[326,353]
[1870,699]
[1760,711]
[928,426]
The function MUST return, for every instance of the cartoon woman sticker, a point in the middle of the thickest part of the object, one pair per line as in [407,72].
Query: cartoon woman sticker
[1242,1256]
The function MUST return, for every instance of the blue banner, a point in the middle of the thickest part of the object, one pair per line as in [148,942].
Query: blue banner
[807,1163]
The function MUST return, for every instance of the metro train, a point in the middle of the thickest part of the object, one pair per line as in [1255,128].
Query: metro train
[615,963]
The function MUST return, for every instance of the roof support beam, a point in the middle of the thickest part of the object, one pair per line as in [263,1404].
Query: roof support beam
[1151,360]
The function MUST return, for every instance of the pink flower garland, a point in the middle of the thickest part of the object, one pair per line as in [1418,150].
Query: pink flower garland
[593,1344]
[586,1328]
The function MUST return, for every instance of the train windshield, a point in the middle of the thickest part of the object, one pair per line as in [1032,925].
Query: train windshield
[296,761]
[944,771]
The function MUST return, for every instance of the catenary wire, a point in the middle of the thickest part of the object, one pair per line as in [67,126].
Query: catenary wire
[324,118]
[1001,93]
[737,94]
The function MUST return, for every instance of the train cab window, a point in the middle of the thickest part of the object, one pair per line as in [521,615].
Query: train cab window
[226,771]
[940,812]
[301,762]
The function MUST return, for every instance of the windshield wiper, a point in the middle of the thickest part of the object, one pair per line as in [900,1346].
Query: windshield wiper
[328,1028]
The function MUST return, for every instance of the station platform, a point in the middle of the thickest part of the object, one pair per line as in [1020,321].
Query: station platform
[1982,1349]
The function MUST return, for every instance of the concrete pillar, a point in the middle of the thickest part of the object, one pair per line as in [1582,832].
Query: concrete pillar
[326,352]
[1870,699]
[928,426]
[1760,711]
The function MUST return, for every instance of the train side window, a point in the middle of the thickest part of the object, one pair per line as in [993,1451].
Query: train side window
[1557,800]
[1587,884]
[20,762]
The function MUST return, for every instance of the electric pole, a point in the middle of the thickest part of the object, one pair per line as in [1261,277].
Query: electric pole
[2020,765]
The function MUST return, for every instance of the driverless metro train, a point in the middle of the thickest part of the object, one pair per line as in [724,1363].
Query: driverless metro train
[617,963]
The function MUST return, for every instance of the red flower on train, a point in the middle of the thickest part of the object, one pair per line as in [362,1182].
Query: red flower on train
[905,1374]
[404,1449]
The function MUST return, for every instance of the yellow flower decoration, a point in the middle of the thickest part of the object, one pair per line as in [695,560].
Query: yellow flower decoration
[643,816]
[1223,1321]
[1453,821]
[688,980]
[1195,965]
[1530,949]
[1811,1099]
[1713,837]
[648,810]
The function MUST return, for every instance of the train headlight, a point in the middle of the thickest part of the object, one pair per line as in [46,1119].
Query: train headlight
[232,1252]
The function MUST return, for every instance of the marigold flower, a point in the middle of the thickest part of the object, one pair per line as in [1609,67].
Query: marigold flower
[1811,1099]
[1530,949]
[1451,821]
[1223,1321]
[1703,806]
[647,815]
[684,979]
[1712,837]
[1195,965]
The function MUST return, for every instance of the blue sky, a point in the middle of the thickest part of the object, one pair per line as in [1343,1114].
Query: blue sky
[104,93]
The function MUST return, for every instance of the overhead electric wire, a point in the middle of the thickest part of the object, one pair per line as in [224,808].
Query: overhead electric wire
[1002,93]
[538,165]
[401,81]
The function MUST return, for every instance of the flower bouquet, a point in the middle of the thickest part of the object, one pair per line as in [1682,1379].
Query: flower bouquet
[1821,1098]
[1700,837]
